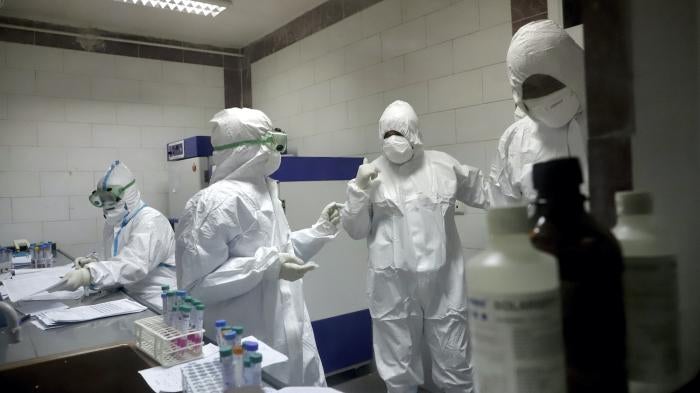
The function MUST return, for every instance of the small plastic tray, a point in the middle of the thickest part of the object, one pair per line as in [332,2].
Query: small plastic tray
[202,377]
[166,345]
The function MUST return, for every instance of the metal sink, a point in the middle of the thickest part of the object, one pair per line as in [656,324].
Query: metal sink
[110,369]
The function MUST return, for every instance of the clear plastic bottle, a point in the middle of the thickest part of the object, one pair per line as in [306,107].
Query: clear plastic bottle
[227,375]
[651,293]
[250,346]
[198,322]
[247,372]
[514,310]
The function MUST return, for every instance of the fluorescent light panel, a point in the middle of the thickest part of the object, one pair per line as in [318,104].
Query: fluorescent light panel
[186,6]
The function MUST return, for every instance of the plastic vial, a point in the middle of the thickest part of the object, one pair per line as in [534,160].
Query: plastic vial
[37,256]
[173,317]
[171,302]
[651,293]
[227,375]
[183,325]
[197,322]
[229,339]
[164,306]
[219,324]
[239,334]
[256,369]
[180,297]
[247,372]
[513,294]
[590,272]
[250,347]
[238,365]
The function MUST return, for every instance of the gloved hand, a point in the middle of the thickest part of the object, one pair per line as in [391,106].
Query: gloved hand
[82,261]
[73,280]
[330,216]
[366,175]
[293,268]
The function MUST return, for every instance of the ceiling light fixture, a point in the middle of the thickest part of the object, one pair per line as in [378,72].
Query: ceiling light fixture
[206,7]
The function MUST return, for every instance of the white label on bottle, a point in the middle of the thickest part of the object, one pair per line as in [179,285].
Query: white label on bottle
[651,311]
[517,342]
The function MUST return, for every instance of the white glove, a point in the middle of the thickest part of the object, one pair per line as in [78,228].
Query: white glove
[73,280]
[366,175]
[82,261]
[330,216]
[293,268]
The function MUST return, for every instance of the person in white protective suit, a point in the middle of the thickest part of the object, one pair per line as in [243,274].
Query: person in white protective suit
[404,204]
[138,243]
[546,72]
[236,253]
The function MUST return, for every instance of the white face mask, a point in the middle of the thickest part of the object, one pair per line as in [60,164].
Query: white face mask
[397,149]
[115,216]
[274,160]
[554,110]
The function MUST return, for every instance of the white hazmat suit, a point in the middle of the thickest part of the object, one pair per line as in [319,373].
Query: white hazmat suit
[415,282]
[540,47]
[233,242]
[138,243]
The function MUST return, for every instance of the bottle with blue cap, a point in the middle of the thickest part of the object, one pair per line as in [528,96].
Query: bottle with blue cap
[250,347]
[219,324]
[229,339]
[180,295]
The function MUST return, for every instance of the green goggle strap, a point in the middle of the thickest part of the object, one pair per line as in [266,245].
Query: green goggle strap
[267,140]
[121,190]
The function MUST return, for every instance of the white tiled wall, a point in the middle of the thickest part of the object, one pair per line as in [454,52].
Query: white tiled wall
[445,57]
[65,115]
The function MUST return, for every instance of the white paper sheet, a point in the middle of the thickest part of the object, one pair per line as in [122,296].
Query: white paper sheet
[37,307]
[27,285]
[169,379]
[269,355]
[87,313]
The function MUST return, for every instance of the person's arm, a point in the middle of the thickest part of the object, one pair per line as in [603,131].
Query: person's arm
[203,263]
[472,186]
[503,188]
[308,242]
[145,248]
[356,215]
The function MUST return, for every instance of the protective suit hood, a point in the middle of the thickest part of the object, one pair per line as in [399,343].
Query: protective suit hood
[236,125]
[119,175]
[542,47]
[400,116]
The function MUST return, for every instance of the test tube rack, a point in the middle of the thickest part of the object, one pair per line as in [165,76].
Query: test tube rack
[202,377]
[167,345]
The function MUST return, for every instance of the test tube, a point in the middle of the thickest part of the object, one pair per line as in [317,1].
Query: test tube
[238,365]
[256,369]
[173,317]
[188,300]
[239,334]
[37,256]
[52,253]
[180,297]
[247,373]
[250,347]
[229,339]
[167,311]
[219,324]
[227,374]
[184,325]
[196,323]
[164,306]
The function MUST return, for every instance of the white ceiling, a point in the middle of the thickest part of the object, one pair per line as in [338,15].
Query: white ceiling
[236,27]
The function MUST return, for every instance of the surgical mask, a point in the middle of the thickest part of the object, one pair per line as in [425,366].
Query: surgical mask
[276,141]
[397,149]
[116,215]
[554,110]
[274,160]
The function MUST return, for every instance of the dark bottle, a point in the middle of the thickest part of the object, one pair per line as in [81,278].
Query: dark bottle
[590,270]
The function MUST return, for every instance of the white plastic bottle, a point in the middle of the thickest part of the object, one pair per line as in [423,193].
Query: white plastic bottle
[514,311]
[651,295]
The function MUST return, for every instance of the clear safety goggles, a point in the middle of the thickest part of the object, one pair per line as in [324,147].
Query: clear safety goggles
[276,141]
[107,198]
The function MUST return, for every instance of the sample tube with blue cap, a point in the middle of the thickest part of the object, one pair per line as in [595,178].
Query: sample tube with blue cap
[164,301]
[219,324]
[250,347]
[180,295]
[229,339]
[197,322]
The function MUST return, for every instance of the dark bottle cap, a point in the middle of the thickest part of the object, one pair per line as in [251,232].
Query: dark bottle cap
[557,175]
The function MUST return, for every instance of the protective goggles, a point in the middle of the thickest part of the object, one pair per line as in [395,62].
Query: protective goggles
[276,141]
[107,198]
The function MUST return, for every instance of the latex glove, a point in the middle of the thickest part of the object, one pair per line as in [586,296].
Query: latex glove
[366,175]
[330,216]
[73,280]
[82,261]
[293,268]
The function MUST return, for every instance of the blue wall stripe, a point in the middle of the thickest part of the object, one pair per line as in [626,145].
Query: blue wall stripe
[317,168]
[344,340]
